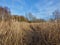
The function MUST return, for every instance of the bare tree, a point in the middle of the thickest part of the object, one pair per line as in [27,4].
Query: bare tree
[4,13]
[30,17]
[56,14]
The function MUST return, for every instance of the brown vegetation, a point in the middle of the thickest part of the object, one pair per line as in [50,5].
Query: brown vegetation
[22,33]
[5,15]
[18,18]
[15,30]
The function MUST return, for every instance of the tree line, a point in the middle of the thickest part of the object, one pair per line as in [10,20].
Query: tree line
[5,14]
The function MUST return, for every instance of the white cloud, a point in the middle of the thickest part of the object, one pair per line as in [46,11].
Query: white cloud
[46,8]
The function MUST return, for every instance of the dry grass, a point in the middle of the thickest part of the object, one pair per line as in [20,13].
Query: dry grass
[21,33]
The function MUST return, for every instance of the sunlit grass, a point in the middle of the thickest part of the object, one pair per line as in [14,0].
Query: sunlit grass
[22,33]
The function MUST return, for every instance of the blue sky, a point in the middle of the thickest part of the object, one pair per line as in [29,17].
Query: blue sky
[39,8]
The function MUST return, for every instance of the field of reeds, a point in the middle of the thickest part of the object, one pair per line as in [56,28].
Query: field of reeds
[23,33]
